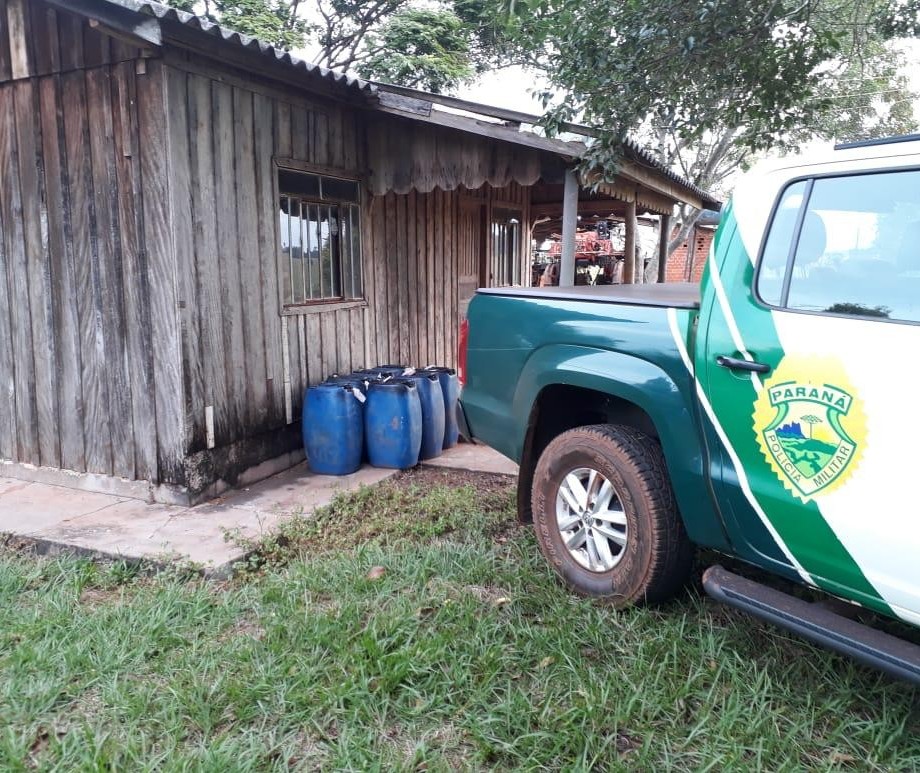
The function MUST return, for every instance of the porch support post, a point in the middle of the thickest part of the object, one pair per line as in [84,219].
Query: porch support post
[664,234]
[629,249]
[569,224]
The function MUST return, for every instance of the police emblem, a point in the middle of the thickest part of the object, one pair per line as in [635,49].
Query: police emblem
[810,425]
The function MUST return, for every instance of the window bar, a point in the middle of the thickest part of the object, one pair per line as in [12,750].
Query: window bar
[359,251]
[335,263]
[291,204]
[308,260]
[304,268]
[351,252]
[319,252]
[327,269]
[284,226]
[344,251]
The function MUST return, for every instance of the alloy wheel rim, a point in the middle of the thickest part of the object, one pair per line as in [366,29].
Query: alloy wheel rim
[591,519]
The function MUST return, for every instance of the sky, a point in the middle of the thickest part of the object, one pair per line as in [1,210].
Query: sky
[509,88]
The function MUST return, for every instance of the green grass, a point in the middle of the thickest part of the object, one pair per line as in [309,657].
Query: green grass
[464,654]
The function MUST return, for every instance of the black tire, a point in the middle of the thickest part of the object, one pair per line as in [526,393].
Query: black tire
[657,556]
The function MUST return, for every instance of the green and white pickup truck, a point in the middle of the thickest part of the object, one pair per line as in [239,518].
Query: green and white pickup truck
[771,414]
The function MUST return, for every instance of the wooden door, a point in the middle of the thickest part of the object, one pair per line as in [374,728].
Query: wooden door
[471,252]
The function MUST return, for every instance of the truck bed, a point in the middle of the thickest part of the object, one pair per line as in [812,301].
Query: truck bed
[679,295]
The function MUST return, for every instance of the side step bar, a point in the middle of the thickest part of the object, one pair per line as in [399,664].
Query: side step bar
[895,656]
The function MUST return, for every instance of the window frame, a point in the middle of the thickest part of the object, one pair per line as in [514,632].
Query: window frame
[518,260]
[318,305]
[809,180]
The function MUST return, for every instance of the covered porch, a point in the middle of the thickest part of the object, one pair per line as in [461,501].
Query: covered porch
[559,200]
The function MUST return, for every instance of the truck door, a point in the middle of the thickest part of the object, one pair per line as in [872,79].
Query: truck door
[810,367]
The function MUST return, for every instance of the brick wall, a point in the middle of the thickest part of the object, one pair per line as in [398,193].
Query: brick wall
[678,263]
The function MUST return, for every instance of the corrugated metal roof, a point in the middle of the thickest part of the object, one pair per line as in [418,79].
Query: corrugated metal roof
[637,153]
[351,82]
[634,152]
[165,13]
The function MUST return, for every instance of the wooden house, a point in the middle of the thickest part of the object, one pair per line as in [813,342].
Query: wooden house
[195,226]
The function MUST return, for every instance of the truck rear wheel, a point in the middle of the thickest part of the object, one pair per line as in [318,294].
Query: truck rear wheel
[606,518]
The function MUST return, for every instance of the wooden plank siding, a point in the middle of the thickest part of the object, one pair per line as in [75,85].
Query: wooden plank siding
[142,333]
[37,40]
[80,387]
[251,365]
[254,368]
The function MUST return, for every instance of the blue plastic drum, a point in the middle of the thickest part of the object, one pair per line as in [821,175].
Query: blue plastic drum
[333,429]
[393,424]
[432,400]
[450,388]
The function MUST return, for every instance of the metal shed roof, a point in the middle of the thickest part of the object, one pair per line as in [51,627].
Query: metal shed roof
[374,91]
[231,37]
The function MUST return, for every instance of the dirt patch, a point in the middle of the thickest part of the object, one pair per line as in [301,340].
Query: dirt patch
[489,594]
[96,597]
[483,482]
[448,741]
[307,753]
[243,628]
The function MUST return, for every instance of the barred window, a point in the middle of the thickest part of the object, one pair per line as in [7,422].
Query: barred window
[320,238]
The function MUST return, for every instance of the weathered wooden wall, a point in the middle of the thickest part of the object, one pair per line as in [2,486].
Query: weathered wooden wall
[244,361]
[85,264]
[36,39]
[411,273]
[139,255]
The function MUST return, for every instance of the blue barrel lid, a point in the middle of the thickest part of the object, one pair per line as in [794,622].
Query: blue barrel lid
[353,385]
[393,382]
[429,374]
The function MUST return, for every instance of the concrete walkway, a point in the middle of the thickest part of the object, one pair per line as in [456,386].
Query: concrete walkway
[474,458]
[56,519]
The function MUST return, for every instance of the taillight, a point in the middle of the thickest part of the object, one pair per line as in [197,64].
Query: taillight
[461,350]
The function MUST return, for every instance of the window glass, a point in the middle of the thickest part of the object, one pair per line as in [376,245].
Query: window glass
[340,190]
[320,247]
[859,249]
[775,255]
[298,183]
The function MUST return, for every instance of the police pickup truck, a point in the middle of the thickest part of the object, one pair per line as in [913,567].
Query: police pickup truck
[771,414]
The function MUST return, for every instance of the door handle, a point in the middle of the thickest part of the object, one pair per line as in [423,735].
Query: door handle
[733,363]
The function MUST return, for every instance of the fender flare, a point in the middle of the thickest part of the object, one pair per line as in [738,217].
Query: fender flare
[624,376]
[645,385]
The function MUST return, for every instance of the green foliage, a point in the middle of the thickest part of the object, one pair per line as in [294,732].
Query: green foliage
[692,66]
[273,21]
[690,75]
[899,18]
[420,47]
[433,46]
[868,95]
